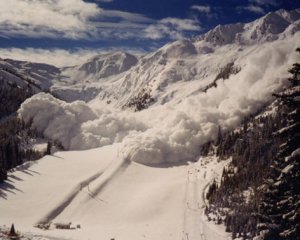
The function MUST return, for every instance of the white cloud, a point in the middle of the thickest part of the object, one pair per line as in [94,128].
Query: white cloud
[58,57]
[73,19]
[258,6]
[127,16]
[182,24]
[77,19]
[252,8]
[202,8]
[173,28]
[265,2]
[67,18]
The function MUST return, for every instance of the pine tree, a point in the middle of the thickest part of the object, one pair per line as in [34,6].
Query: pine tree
[12,231]
[280,208]
[48,150]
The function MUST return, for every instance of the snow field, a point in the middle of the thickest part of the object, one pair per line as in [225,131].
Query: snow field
[109,196]
[33,190]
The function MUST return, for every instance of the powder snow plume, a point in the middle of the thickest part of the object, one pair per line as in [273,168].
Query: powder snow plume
[172,132]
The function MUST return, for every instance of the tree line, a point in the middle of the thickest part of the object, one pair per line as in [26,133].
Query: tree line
[258,195]
[14,133]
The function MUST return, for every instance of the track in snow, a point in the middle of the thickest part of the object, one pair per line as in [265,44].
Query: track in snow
[196,225]
[101,179]
[68,200]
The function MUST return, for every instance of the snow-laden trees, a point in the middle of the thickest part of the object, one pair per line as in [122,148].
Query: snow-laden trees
[280,208]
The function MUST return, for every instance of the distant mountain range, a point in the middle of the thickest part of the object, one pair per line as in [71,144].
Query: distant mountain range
[177,70]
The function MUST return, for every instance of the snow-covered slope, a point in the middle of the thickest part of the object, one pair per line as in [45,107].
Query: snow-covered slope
[88,80]
[37,75]
[108,197]
[103,66]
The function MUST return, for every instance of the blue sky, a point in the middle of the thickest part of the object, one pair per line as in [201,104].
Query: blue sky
[84,27]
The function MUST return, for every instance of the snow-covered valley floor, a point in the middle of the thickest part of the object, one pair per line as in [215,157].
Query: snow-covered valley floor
[109,197]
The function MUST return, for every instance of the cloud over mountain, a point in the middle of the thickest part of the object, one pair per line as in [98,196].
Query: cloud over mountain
[173,28]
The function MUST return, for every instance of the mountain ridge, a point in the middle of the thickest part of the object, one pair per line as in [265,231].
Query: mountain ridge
[130,75]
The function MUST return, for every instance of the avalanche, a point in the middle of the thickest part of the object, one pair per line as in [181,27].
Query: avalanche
[183,123]
[130,174]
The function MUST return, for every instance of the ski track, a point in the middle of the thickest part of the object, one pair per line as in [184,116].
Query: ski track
[104,177]
[68,200]
[117,171]
[195,224]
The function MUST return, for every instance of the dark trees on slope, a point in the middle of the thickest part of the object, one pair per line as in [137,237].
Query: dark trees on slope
[13,134]
[11,97]
[238,195]
[13,131]
[280,208]
[259,191]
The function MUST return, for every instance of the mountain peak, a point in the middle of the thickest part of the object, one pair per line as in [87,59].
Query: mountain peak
[107,64]
[266,28]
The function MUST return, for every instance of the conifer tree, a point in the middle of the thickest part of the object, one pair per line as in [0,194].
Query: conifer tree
[12,231]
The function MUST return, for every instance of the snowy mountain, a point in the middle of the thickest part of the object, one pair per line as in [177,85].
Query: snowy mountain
[173,72]
[178,69]
[37,75]
[202,84]
[106,65]
[270,27]
[140,123]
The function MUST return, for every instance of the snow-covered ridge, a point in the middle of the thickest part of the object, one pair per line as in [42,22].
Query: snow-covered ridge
[108,64]
[39,76]
[267,28]
[122,79]
[159,73]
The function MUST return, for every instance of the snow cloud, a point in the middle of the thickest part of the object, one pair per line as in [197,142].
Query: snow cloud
[179,131]
[75,125]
